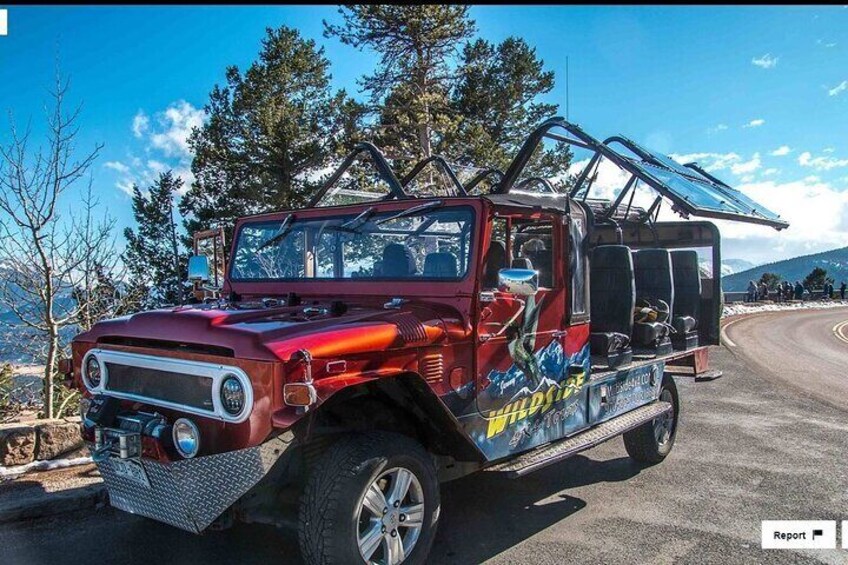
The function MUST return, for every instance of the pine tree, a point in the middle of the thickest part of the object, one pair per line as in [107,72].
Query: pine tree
[816,278]
[269,136]
[154,258]
[475,107]
[410,89]
[497,97]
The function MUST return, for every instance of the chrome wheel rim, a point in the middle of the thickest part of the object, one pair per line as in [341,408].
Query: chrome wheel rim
[664,425]
[391,517]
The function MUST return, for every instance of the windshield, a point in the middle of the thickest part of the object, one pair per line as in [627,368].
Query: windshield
[423,242]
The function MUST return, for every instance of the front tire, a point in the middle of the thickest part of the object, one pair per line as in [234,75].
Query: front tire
[651,442]
[372,498]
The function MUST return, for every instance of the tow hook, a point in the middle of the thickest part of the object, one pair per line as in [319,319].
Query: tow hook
[102,452]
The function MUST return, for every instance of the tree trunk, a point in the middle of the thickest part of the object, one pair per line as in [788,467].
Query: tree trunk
[49,367]
[424,139]
[178,283]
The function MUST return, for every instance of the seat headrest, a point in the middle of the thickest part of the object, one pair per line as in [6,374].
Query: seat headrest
[495,261]
[652,259]
[397,261]
[440,265]
[618,256]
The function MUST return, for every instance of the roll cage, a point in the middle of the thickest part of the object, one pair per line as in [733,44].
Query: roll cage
[691,190]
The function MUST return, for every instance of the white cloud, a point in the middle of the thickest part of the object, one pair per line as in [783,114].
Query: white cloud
[717,128]
[821,163]
[781,151]
[769,172]
[722,161]
[838,89]
[817,213]
[140,124]
[765,62]
[609,180]
[164,136]
[170,130]
[754,123]
[709,161]
[746,167]
[116,166]
[826,44]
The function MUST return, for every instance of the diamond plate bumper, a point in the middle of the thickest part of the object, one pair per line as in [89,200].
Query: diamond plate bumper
[190,494]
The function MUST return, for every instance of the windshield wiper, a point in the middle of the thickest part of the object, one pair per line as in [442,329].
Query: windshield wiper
[411,211]
[360,219]
[282,232]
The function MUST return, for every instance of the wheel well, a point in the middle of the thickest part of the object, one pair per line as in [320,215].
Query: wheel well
[403,404]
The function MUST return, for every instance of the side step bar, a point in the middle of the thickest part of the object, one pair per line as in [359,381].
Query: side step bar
[564,448]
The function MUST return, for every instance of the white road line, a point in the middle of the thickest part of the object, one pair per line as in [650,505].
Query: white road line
[837,331]
[724,338]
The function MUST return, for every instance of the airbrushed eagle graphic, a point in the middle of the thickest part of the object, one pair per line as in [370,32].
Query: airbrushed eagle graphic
[522,342]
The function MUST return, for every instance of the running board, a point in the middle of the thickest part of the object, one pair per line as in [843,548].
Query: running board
[562,449]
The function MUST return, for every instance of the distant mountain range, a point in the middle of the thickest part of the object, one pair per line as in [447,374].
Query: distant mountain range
[835,262]
[731,266]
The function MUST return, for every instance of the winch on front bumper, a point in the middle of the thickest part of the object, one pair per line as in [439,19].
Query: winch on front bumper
[188,494]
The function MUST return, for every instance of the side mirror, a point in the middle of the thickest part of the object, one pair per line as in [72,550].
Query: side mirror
[198,268]
[521,282]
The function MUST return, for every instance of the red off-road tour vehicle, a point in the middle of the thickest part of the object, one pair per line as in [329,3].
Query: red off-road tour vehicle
[361,350]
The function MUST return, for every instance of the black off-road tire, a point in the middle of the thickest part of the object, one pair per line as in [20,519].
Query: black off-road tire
[641,443]
[328,526]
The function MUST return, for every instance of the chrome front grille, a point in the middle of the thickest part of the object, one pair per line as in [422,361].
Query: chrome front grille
[180,384]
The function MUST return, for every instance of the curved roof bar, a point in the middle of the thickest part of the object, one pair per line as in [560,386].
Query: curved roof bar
[537,180]
[577,137]
[481,176]
[380,164]
[445,166]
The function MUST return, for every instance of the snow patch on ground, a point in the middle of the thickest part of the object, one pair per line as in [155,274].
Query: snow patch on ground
[7,473]
[737,309]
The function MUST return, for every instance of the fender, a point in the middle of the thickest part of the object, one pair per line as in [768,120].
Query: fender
[404,393]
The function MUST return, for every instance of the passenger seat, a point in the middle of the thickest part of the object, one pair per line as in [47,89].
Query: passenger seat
[612,298]
[687,298]
[495,261]
[397,262]
[655,286]
[441,265]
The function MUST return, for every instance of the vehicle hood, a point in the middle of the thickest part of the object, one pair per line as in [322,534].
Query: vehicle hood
[275,333]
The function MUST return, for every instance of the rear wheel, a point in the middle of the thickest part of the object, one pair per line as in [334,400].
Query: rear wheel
[651,442]
[373,498]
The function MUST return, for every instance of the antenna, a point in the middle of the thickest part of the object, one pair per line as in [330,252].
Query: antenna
[566,87]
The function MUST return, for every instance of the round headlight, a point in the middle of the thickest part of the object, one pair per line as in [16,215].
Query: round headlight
[232,395]
[92,372]
[186,438]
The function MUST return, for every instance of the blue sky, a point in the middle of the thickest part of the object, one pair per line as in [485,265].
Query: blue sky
[759,95]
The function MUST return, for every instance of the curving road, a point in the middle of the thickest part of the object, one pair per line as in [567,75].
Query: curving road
[805,349]
[758,444]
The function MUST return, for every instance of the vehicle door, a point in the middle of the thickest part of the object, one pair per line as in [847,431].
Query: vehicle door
[521,366]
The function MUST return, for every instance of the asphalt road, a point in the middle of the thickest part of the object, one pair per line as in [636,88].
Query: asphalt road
[807,351]
[752,445]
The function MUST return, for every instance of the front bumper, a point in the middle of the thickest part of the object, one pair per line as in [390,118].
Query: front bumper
[190,494]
